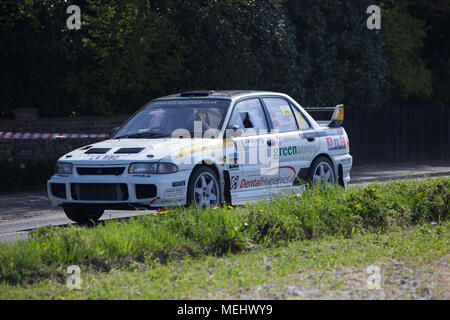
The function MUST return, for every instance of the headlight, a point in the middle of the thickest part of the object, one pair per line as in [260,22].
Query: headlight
[152,167]
[63,168]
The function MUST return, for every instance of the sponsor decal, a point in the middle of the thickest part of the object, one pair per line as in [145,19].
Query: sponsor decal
[103,157]
[284,151]
[231,158]
[141,176]
[184,102]
[286,110]
[265,181]
[336,143]
[306,152]
[288,138]
[171,201]
[239,145]
[308,149]
[173,192]
[295,152]
[178,183]
[268,181]
[234,182]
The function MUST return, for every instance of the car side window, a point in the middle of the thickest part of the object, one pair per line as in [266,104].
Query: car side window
[301,120]
[248,115]
[281,114]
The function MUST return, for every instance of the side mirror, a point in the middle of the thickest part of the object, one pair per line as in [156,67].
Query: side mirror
[113,131]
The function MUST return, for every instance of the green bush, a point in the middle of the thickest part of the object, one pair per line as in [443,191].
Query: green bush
[316,213]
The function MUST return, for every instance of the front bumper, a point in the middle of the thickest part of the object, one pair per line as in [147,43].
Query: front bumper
[119,191]
[344,162]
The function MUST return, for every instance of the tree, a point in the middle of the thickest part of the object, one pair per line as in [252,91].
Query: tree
[418,49]
[33,59]
[404,44]
[136,54]
[341,61]
[237,44]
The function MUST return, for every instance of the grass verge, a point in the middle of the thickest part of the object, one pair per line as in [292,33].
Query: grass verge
[317,213]
[413,264]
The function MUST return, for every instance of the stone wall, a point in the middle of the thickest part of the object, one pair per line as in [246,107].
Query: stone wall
[13,150]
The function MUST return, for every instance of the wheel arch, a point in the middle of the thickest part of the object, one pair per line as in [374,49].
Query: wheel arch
[216,169]
[335,169]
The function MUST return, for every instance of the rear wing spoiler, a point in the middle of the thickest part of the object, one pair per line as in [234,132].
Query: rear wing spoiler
[336,119]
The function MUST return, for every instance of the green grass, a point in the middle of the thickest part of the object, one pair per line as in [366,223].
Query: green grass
[323,266]
[179,234]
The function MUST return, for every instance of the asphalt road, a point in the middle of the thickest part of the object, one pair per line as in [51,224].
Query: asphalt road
[22,212]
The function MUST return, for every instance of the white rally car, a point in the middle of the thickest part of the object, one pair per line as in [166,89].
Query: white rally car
[204,148]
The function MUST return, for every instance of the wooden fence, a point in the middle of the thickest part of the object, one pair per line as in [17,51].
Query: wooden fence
[398,134]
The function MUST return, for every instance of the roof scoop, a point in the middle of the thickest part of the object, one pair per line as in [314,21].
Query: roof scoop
[197,93]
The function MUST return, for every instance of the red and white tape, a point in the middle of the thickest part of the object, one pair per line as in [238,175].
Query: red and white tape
[34,136]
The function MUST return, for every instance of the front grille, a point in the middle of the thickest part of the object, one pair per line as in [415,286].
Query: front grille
[116,171]
[99,191]
[144,191]
[58,190]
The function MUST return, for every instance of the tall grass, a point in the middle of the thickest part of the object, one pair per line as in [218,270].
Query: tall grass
[179,232]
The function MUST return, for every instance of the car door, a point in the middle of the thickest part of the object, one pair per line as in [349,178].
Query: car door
[297,141]
[249,121]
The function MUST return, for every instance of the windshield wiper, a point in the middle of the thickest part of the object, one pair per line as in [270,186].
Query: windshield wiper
[144,135]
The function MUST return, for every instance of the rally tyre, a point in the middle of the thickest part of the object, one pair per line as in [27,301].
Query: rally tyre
[84,215]
[322,172]
[203,188]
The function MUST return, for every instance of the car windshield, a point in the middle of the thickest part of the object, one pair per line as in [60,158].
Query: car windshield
[176,118]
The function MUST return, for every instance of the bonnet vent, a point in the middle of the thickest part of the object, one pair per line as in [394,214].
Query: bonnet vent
[129,150]
[97,150]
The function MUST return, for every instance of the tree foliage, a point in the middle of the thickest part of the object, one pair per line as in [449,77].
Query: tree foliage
[418,49]
[34,55]
[128,52]
[341,61]
[135,53]
[408,70]
[238,44]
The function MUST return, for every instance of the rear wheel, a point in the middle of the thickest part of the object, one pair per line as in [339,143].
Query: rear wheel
[84,215]
[322,172]
[203,188]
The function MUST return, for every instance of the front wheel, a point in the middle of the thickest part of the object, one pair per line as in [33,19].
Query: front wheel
[203,189]
[84,215]
[321,172]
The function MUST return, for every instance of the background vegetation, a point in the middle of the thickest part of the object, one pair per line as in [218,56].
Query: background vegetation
[128,52]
